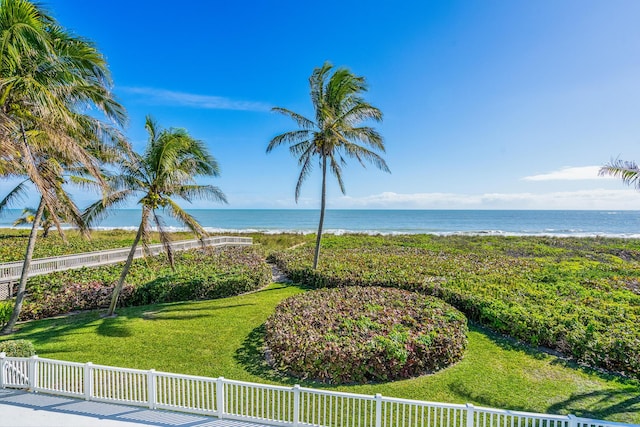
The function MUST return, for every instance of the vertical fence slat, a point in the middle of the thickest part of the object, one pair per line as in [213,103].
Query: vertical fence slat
[286,406]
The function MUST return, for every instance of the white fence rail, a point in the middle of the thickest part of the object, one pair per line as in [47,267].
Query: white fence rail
[10,271]
[266,404]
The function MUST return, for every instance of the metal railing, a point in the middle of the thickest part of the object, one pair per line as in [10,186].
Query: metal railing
[11,271]
[266,404]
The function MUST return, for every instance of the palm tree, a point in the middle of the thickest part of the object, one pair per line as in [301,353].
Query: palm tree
[49,78]
[167,168]
[335,134]
[28,216]
[625,170]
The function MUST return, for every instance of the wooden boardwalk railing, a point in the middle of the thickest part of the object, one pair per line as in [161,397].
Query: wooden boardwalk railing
[10,271]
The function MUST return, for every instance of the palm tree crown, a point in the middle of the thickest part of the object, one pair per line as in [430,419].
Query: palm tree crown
[335,134]
[49,79]
[166,170]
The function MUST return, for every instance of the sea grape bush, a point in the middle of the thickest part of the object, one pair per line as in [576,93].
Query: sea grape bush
[70,297]
[579,299]
[218,274]
[17,348]
[363,334]
[6,307]
[198,275]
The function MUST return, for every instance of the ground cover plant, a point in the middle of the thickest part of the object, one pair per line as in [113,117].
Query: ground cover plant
[17,348]
[224,337]
[198,274]
[578,296]
[13,242]
[358,335]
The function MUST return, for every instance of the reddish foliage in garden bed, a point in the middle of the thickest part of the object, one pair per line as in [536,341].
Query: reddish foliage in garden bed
[359,334]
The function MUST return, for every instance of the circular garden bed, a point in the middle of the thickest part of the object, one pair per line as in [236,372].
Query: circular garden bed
[363,334]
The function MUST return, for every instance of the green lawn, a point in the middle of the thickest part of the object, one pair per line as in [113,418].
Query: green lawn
[223,338]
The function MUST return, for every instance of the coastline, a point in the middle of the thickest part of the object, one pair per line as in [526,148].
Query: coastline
[610,224]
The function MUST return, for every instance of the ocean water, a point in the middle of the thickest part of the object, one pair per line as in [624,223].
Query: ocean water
[443,222]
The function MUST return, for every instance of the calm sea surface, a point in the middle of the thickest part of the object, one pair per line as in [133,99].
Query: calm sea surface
[500,222]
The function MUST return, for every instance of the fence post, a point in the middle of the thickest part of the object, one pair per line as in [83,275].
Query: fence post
[573,421]
[220,397]
[296,405]
[470,415]
[378,410]
[3,367]
[33,372]
[88,381]
[151,388]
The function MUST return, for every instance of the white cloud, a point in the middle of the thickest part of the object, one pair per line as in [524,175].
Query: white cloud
[599,199]
[568,174]
[168,97]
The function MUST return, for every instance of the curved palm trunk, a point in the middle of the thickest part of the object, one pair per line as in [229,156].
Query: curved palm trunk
[118,289]
[22,285]
[322,206]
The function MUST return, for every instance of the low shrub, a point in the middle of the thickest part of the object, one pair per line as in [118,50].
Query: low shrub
[73,296]
[6,308]
[578,296]
[358,335]
[17,348]
[198,274]
[219,274]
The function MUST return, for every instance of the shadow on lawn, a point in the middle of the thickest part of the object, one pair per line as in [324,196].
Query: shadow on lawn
[601,403]
[251,356]
[116,327]
[598,404]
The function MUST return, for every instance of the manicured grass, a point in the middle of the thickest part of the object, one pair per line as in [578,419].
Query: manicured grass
[223,338]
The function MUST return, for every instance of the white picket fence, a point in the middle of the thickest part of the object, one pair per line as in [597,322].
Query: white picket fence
[10,271]
[261,403]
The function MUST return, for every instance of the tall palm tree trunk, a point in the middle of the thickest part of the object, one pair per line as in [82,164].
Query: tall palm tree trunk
[22,285]
[118,289]
[323,202]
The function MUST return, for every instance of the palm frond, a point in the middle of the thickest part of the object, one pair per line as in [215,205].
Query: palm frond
[628,171]
[16,194]
[292,137]
[302,121]
[98,210]
[306,166]
[165,238]
[189,221]
[202,192]
[336,170]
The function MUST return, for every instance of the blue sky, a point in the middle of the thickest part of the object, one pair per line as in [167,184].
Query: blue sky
[498,104]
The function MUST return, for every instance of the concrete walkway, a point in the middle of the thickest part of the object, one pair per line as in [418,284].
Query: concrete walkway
[22,409]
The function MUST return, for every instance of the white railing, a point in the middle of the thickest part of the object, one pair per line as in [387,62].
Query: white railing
[261,403]
[11,271]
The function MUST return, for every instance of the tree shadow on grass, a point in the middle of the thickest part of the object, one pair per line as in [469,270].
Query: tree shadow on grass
[601,404]
[180,313]
[542,353]
[251,356]
[508,343]
[116,327]
[597,404]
